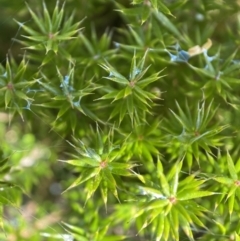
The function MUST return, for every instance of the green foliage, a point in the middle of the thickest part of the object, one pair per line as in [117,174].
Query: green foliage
[119,120]
[99,167]
[14,86]
[52,30]
[194,132]
[131,99]
[170,203]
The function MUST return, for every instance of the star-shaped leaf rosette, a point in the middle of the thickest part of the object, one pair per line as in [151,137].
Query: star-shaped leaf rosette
[170,204]
[99,168]
[130,98]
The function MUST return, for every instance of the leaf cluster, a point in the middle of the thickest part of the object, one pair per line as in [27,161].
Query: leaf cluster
[122,125]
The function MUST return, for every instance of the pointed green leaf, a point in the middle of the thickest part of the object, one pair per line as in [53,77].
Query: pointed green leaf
[110,95]
[8,98]
[21,95]
[152,78]
[157,204]
[198,222]
[162,7]
[232,191]
[92,187]
[194,194]
[160,227]
[176,177]
[224,180]
[108,177]
[168,24]
[114,75]
[47,18]
[231,167]
[220,226]
[130,106]
[85,175]
[82,162]
[119,95]
[102,233]
[37,20]
[185,214]
[133,68]
[163,180]
[87,44]
[128,91]
[64,108]
[231,201]
[121,172]
[57,16]
[174,223]
[104,191]
[166,229]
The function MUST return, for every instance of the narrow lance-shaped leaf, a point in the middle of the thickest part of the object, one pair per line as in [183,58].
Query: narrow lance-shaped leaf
[231,201]
[149,220]
[8,98]
[104,191]
[176,178]
[47,18]
[185,214]
[82,162]
[114,75]
[224,180]
[195,194]
[231,191]
[111,183]
[160,227]
[166,229]
[231,167]
[92,187]
[86,175]
[133,69]
[57,16]
[37,20]
[163,180]
[99,142]
[167,24]
[175,223]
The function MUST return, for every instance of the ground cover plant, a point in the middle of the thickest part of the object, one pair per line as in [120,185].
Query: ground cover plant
[119,120]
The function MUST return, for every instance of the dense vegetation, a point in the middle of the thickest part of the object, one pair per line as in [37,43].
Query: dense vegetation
[119,120]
